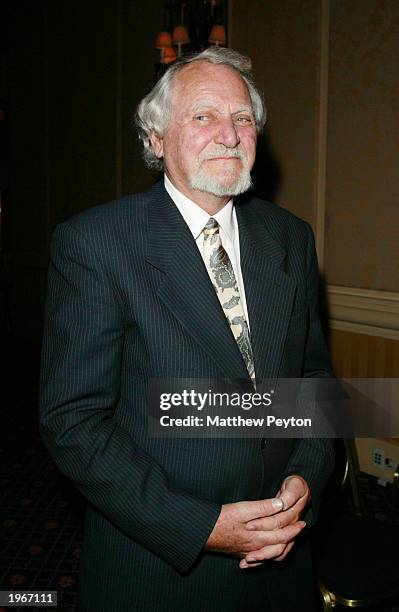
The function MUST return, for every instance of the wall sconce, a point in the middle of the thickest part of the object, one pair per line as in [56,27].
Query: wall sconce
[163,41]
[217,35]
[169,55]
[192,24]
[180,37]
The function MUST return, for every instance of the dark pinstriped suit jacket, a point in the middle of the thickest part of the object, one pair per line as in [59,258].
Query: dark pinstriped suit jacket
[129,298]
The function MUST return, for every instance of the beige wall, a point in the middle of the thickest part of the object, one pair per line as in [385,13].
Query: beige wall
[329,70]
[362,204]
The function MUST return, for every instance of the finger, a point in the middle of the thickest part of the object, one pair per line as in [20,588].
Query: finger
[259,508]
[268,552]
[278,521]
[285,553]
[279,536]
[244,565]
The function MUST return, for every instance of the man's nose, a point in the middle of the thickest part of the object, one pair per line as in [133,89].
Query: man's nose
[227,133]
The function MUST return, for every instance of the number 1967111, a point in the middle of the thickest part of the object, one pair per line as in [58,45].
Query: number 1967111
[38,598]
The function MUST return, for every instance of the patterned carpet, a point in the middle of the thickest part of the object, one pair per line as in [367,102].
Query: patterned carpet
[41,514]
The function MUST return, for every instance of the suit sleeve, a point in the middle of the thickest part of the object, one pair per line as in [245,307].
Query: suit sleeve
[80,387]
[313,458]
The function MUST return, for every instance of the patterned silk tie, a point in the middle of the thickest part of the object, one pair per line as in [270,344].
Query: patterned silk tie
[223,278]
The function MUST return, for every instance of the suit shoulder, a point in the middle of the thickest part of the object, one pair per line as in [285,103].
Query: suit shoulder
[128,208]
[281,223]
[278,214]
[107,228]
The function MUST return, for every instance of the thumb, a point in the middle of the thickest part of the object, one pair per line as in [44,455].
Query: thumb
[288,498]
[292,489]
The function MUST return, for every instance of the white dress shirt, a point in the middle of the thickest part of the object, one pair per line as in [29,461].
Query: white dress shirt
[196,219]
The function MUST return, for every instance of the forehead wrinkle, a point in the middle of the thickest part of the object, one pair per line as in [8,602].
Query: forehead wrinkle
[206,103]
[210,104]
[202,79]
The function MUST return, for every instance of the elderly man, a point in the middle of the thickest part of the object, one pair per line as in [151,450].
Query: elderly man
[135,293]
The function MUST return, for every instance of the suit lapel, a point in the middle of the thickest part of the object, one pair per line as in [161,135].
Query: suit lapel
[186,289]
[269,291]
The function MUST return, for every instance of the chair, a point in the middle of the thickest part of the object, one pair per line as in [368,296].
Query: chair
[357,559]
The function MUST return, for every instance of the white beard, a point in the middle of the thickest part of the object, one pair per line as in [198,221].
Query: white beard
[225,186]
[202,181]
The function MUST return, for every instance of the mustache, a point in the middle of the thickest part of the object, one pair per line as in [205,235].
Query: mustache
[222,152]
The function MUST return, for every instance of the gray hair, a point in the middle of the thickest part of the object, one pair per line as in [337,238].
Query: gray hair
[153,112]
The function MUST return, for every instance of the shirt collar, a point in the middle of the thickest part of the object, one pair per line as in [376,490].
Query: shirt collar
[195,217]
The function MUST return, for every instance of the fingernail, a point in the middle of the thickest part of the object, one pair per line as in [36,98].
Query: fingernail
[250,559]
[277,503]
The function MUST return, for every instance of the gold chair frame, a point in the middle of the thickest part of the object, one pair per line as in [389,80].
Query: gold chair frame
[330,599]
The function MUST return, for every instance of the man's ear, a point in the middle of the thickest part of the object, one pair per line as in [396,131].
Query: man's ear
[157,144]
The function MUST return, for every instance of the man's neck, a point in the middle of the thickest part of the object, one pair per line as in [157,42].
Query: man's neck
[210,203]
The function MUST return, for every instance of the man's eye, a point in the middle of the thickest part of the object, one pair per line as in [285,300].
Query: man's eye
[202,118]
[244,119]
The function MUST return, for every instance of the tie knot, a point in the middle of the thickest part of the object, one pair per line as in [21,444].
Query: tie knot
[211,227]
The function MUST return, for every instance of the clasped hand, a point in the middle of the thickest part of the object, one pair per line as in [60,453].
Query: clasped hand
[263,529]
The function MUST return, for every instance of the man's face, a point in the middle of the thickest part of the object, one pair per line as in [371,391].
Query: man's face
[209,144]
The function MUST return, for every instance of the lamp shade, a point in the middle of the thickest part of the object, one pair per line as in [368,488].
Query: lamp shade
[180,35]
[169,55]
[217,35]
[163,40]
